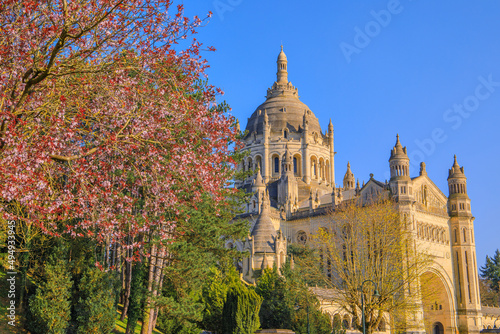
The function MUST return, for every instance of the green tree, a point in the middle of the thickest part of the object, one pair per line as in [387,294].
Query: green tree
[289,304]
[306,304]
[240,314]
[213,296]
[491,271]
[488,296]
[198,248]
[50,306]
[136,299]
[96,307]
[277,302]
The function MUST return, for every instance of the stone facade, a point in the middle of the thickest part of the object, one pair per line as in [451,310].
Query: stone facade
[294,185]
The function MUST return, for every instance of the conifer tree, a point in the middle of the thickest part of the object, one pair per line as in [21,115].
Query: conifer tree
[50,306]
[491,271]
[240,314]
[96,307]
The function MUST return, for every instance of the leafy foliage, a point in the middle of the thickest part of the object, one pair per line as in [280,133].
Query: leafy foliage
[214,295]
[277,305]
[240,314]
[289,304]
[50,306]
[96,307]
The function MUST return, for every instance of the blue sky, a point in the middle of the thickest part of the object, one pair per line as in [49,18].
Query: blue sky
[428,70]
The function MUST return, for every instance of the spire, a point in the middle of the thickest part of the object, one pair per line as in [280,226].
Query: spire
[423,171]
[282,74]
[258,182]
[264,264]
[456,171]
[398,150]
[330,126]
[264,232]
[399,162]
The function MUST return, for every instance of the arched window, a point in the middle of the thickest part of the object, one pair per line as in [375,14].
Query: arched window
[295,168]
[285,134]
[276,164]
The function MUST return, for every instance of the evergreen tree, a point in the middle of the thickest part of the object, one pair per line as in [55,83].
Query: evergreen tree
[277,305]
[136,299]
[199,246]
[240,314]
[491,271]
[50,306]
[289,304]
[96,308]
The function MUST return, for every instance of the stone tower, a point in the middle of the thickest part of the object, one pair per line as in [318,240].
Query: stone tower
[266,245]
[463,252]
[399,164]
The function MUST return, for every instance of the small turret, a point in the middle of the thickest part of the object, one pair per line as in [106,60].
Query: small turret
[458,200]
[282,62]
[399,162]
[422,169]
[258,184]
[400,182]
[348,178]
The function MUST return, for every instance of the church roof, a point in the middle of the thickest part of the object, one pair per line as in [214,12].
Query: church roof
[264,233]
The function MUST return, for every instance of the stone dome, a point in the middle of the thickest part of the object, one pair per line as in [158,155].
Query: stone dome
[282,105]
[283,111]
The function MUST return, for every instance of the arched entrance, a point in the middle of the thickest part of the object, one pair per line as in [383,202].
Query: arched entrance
[436,302]
[437,328]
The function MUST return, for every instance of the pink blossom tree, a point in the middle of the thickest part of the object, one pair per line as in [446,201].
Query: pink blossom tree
[106,126]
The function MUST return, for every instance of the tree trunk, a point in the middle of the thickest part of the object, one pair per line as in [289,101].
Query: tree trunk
[157,285]
[128,280]
[123,276]
[146,316]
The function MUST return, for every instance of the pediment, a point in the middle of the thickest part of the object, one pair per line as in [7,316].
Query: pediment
[427,194]
[372,188]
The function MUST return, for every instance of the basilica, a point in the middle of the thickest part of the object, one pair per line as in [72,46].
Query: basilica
[293,185]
